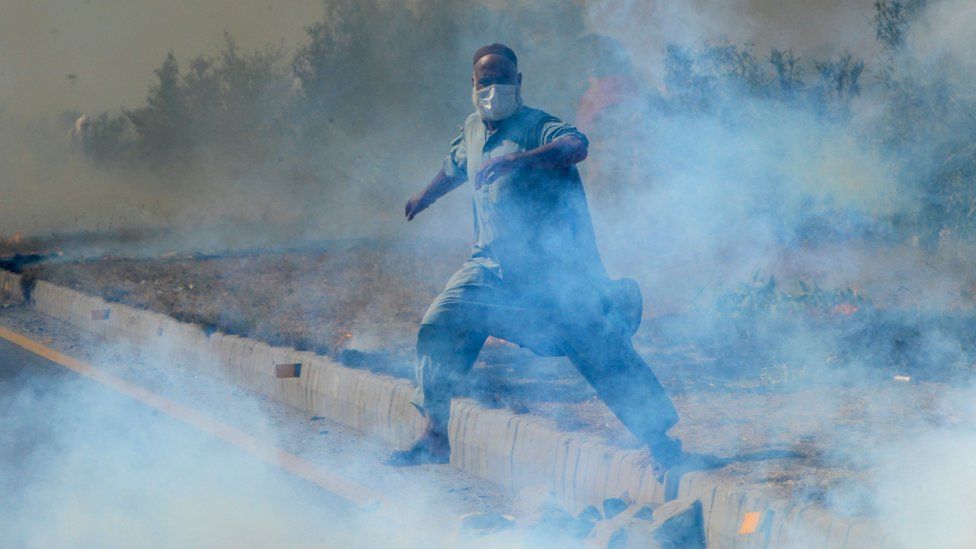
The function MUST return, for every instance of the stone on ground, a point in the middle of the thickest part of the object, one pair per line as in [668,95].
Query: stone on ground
[645,513]
[614,530]
[613,507]
[679,523]
[544,520]
[590,513]
[479,524]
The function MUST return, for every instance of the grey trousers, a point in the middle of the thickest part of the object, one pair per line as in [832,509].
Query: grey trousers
[477,304]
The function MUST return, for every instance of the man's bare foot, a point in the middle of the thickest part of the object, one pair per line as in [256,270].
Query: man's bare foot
[429,449]
[668,455]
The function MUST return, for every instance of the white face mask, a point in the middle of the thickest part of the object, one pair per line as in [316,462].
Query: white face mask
[497,102]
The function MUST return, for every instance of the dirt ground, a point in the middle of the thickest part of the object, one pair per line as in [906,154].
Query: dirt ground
[349,297]
[360,302]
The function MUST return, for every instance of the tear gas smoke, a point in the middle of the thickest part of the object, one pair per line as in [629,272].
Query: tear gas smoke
[738,138]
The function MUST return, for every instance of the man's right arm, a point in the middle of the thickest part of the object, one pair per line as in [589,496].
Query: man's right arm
[453,173]
[438,187]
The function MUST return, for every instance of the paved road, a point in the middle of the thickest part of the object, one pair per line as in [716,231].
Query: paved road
[82,465]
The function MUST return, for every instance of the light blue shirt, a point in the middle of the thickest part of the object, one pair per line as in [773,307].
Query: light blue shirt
[533,225]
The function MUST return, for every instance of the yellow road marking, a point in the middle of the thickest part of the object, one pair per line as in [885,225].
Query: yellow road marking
[344,488]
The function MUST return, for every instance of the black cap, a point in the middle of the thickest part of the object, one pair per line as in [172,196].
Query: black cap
[495,49]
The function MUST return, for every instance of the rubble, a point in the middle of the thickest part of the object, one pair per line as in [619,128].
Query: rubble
[613,507]
[541,516]
[614,531]
[481,524]
[590,513]
[678,523]
[645,513]
[622,524]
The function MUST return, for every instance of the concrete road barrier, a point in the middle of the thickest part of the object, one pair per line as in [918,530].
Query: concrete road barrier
[511,450]
[10,286]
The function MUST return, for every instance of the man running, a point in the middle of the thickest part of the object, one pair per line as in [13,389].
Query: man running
[535,276]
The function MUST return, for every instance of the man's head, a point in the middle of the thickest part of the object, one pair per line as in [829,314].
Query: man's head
[496,82]
[495,64]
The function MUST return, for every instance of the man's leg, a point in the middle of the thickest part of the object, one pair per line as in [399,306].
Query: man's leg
[607,359]
[444,358]
[450,337]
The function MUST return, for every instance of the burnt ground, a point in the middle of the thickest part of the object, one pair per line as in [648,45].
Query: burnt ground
[359,302]
[349,297]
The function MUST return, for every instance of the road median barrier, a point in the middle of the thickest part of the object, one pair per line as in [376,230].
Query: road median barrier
[509,449]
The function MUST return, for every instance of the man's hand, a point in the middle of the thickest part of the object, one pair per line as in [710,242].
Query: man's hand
[438,187]
[497,167]
[417,203]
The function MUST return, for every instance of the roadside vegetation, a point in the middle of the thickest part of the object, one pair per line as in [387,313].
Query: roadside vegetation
[346,81]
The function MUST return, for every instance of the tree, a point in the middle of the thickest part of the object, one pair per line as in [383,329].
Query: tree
[892,19]
[158,124]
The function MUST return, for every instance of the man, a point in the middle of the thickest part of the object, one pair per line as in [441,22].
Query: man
[535,276]
[81,132]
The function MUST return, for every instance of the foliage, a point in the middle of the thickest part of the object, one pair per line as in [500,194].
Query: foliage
[789,73]
[892,19]
[838,83]
[369,70]
[413,60]
[160,123]
[760,329]
[721,76]
[927,120]
[766,298]
[109,139]
[229,105]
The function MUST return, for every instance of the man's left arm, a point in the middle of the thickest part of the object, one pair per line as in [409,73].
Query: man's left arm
[562,146]
[561,153]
